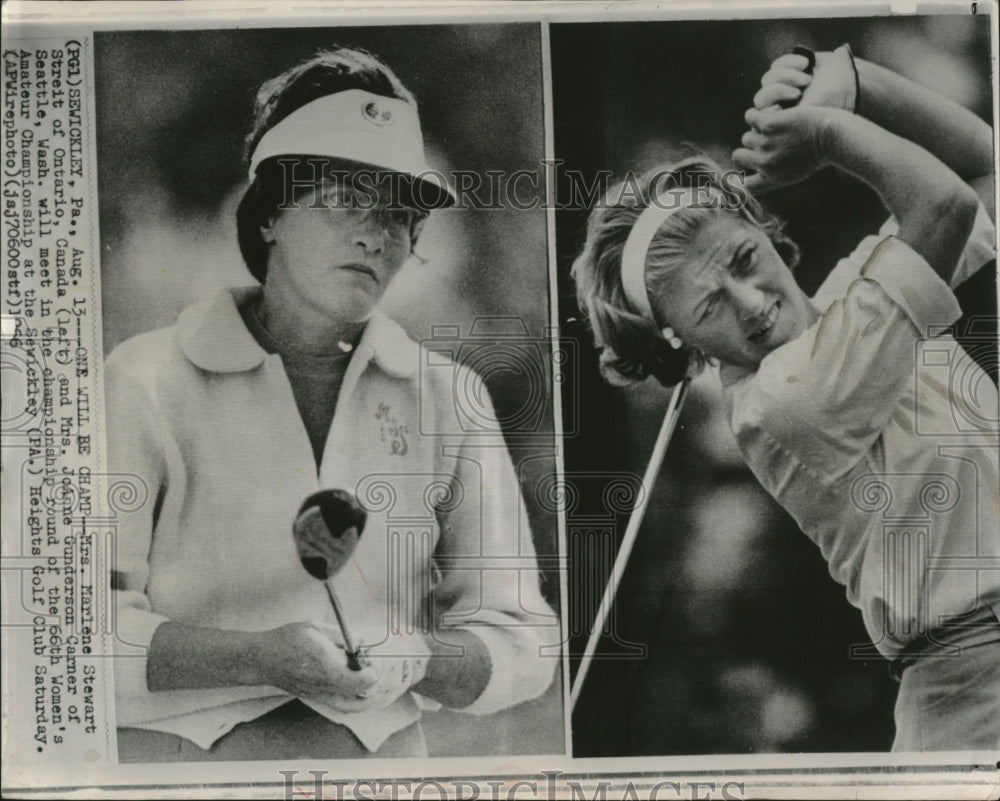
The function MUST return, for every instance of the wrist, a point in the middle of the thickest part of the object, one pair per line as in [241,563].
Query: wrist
[195,657]
[254,667]
[853,103]
[457,670]
[856,105]
[826,135]
[419,662]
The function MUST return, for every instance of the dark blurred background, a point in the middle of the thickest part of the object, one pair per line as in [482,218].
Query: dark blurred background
[173,108]
[747,637]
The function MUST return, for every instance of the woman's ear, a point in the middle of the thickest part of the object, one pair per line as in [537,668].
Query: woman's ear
[267,229]
[786,248]
[415,228]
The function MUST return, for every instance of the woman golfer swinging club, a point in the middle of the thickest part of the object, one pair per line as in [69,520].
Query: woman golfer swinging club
[835,401]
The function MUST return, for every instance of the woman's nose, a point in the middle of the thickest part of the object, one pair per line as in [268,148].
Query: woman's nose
[371,233]
[748,299]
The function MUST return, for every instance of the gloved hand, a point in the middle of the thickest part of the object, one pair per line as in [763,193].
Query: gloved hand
[833,82]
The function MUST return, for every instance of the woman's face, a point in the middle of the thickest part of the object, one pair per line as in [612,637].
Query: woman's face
[733,297]
[337,250]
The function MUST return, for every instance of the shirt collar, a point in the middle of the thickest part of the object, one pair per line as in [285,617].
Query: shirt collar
[729,374]
[212,336]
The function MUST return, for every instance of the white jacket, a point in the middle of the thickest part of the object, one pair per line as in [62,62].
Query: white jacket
[206,421]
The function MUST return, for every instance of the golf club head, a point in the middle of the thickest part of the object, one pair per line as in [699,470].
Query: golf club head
[326,531]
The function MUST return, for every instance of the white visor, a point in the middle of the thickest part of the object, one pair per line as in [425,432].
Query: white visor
[355,125]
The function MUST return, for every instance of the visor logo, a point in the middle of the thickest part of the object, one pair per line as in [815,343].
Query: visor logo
[376,114]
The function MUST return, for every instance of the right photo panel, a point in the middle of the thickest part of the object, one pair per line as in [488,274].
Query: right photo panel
[776,256]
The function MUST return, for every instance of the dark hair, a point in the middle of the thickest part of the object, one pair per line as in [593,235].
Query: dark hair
[330,71]
[632,347]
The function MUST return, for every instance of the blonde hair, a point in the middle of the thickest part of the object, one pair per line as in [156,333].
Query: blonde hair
[632,348]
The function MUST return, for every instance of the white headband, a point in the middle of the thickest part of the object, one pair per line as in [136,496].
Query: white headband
[356,125]
[642,233]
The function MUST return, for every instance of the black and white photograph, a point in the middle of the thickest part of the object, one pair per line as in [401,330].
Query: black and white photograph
[499,400]
[333,552]
[786,287]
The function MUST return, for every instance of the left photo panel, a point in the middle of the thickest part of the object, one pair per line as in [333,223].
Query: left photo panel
[328,377]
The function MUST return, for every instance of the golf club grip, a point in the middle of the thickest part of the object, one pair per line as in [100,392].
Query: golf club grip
[809,53]
[800,50]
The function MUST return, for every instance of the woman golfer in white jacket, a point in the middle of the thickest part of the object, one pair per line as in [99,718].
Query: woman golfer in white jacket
[226,647]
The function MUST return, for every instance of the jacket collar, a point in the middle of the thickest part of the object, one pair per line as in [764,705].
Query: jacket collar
[212,336]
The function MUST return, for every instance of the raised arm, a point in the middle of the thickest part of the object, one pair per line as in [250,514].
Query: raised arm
[949,131]
[934,207]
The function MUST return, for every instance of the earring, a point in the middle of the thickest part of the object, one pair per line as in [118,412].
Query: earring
[672,338]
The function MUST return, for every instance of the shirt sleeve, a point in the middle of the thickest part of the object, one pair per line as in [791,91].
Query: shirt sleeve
[979,249]
[137,472]
[828,395]
[490,580]
[848,269]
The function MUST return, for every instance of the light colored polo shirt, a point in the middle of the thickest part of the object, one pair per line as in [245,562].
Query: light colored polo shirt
[879,436]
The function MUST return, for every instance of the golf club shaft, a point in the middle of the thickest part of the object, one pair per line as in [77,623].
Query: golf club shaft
[631,533]
[353,654]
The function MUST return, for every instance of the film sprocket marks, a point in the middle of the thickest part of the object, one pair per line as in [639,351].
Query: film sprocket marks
[465,419]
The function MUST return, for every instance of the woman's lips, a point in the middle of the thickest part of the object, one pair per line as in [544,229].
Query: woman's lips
[759,336]
[364,269]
